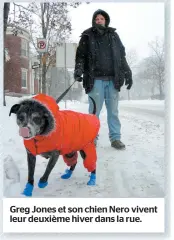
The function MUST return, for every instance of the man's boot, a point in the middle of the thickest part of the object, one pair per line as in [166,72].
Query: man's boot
[118,145]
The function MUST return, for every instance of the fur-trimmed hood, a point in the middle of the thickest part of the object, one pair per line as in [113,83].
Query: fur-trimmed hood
[48,102]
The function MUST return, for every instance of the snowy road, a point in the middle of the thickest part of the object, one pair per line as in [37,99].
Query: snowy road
[137,171]
[143,107]
[157,112]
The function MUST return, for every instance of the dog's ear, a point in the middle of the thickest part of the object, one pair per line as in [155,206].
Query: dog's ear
[14,109]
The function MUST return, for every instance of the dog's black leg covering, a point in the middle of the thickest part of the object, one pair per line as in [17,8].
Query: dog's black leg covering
[31,159]
[44,179]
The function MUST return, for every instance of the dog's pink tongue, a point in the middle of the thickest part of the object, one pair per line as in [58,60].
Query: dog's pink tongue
[24,132]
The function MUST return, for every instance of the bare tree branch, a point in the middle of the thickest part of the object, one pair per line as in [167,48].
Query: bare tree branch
[27,9]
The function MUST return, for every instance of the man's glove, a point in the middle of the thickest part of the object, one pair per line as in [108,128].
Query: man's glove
[128,80]
[77,75]
[79,79]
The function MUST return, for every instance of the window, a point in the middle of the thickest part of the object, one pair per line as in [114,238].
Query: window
[24,47]
[24,78]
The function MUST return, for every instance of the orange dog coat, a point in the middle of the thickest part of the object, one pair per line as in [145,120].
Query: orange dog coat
[72,132]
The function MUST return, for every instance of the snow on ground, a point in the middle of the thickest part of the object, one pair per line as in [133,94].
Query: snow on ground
[137,171]
[142,103]
[153,107]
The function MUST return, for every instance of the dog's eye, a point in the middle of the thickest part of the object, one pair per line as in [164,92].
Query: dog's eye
[21,118]
[37,120]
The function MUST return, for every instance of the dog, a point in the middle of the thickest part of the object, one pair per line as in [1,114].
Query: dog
[51,132]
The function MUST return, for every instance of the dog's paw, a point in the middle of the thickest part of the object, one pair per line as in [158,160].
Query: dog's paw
[67,174]
[42,184]
[28,190]
[92,180]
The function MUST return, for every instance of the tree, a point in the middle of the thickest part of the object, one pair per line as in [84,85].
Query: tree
[6,14]
[45,20]
[145,78]
[152,69]
[157,65]
[132,59]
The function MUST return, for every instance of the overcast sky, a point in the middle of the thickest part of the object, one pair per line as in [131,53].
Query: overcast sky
[136,23]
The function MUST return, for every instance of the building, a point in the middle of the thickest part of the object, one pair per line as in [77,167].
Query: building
[17,71]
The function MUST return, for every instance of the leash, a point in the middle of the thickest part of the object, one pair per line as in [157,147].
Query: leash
[65,92]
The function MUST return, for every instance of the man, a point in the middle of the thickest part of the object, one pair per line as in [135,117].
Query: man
[100,57]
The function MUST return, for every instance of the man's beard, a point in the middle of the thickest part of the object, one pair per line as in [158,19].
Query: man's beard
[100,26]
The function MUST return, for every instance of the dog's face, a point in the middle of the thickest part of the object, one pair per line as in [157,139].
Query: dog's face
[32,118]
[35,122]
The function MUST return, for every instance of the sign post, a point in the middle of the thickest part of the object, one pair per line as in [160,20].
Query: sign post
[42,49]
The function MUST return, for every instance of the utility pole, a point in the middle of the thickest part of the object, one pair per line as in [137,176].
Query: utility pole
[6,13]
[40,73]
[128,93]
[65,69]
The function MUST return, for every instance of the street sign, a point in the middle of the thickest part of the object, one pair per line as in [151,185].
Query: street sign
[35,66]
[41,45]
